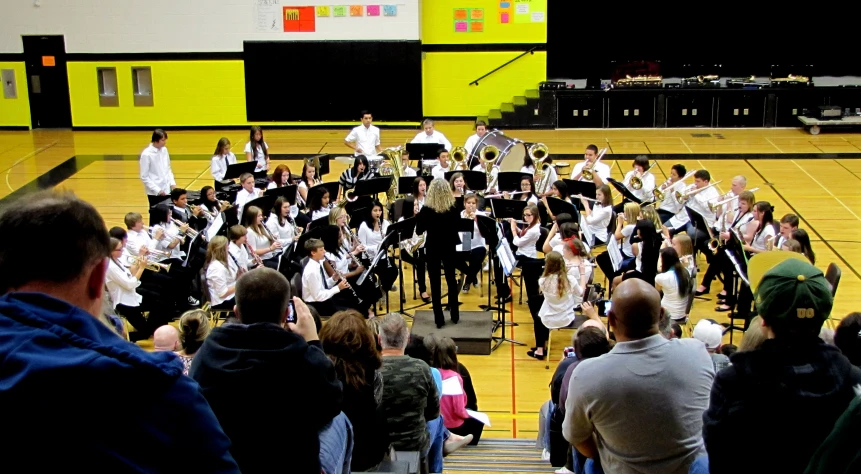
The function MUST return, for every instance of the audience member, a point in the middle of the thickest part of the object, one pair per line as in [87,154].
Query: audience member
[166,339]
[454,400]
[711,334]
[639,407]
[240,363]
[785,396]
[847,338]
[193,329]
[753,336]
[839,453]
[410,397]
[349,344]
[120,409]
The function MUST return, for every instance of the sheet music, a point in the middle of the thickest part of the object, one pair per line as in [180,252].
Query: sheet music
[482,417]
[506,257]
[214,227]
[614,252]
[451,386]
[588,236]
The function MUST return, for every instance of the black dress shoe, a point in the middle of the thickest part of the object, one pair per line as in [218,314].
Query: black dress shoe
[700,293]
[455,318]
[534,355]
[440,325]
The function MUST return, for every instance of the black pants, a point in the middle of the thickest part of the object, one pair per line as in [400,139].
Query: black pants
[470,426]
[542,333]
[530,268]
[326,308]
[145,326]
[716,266]
[418,261]
[745,301]
[435,263]
[469,263]
[386,272]
[225,305]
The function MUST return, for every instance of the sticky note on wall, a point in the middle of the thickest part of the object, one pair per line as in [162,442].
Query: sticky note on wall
[390,10]
[373,10]
[461,13]
[323,10]
[476,27]
[476,14]
[339,10]
[504,17]
[460,27]
[356,10]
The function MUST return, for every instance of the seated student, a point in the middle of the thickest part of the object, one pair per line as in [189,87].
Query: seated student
[181,212]
[526,193]
[221,274]
[238,249]
[371,233]
[472,251]
[260,240]
[458,185]
[318,203]
[247,193]
[443,167]
[674,281]
[318,287]
[122,284]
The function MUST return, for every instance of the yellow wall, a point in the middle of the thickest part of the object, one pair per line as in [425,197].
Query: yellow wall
[185,93]
[16,112]
[437,20]
[447,75]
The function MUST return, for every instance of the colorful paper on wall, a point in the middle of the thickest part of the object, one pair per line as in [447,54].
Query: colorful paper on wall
[476,14]
[476,27]
[373,10]
[339,10]
[468,20]
[299,19]
[529,11]
[506,10]
[322,10]
[461,27]
[390,10]
[504,17]
[461,13]
[268,16]
[356,10]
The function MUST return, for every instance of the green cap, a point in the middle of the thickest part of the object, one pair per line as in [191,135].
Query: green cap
[794,291]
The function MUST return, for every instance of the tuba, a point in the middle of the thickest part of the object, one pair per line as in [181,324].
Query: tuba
[392,166]
[459,156]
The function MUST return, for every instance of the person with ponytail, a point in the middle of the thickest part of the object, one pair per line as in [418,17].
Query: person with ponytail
[675,283]
[193,329]
[559,286]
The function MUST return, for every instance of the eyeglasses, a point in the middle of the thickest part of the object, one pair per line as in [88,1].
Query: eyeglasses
[527,215]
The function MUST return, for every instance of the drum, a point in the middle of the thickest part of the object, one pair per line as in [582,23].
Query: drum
[511,150]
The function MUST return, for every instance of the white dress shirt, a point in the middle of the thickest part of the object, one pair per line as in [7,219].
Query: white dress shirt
[602,169]
[760,239]
[258,242]
[644,193]
[320,213]
[439,172]
[471,142]
[409,172]
[699,204]
[475,240]
[284,233]
[155,171]
[171,233]
[675,305]
[526,243]
[670,204]
[219,279]
[137,240]
[557,310]
[371,239]
[261,157]
[435,137]
[316,285]
[219,165]
[121,285]
[367,139]
[242,198]
[237,255]
[598,221]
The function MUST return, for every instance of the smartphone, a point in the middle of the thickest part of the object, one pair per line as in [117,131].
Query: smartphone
[291,312]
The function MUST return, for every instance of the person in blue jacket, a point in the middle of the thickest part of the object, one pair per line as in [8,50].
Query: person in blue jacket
[75,395]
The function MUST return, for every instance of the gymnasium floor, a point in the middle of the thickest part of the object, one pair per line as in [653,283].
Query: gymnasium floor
[816,177]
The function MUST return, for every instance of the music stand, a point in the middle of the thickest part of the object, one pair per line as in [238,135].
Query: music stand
[510,180]
[373,186]
[333,188]
[424,151]
[265,204]
[623,190]
[398,233]
[734,247]
[583,188]
[359,210]
[504,208]
[234,171]
[287,192]
[699,224]
[316,224]
[476,180]
[405,183]
[323,159]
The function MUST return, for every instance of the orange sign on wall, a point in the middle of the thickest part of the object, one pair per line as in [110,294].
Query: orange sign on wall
[48,61]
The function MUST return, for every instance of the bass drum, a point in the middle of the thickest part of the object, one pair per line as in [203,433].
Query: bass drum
[511,150]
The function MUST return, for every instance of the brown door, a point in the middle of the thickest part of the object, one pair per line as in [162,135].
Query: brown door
[47,81]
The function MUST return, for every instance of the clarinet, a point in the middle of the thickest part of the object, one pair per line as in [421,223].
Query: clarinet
[341,277]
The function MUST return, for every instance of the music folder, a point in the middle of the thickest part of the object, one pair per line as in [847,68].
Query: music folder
[287,192]
[424,151]
[584,188]
[316,224]
[510,180]
[487,228]
[235,171]
[561,206]
[405,183]
[373,186]
[507,208]
[475,180]
[332,187]
[624,191]
[265,203]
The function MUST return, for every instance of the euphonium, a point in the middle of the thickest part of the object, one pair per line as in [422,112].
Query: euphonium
[459,156]
[489,153]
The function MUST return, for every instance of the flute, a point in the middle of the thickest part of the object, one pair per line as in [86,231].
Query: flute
[586,198]
[341,277]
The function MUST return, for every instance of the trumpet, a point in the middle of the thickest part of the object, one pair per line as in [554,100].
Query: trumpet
[587,171]
[659,192]
[459,156]
[683,196]
[148,264]
[189,232]
[203,210]
[637,181]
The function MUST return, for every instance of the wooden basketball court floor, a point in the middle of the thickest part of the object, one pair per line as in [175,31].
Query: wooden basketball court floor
[816,177]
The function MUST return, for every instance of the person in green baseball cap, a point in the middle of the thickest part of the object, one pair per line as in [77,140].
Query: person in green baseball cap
[784,397]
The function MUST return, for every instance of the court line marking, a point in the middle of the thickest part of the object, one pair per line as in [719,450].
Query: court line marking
[775,146]
[686,145]
[26,157]
[826,190]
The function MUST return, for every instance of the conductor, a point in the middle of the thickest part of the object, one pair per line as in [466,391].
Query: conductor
[440,218]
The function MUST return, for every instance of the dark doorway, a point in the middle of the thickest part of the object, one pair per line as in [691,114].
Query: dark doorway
[47,81]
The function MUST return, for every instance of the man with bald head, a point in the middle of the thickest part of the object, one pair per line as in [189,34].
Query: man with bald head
[639,407]
[166,338]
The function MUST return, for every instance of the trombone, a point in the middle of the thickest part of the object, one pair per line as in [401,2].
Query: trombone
[587,171]
[683,196]
[715,205]
[637,181]
[659,191]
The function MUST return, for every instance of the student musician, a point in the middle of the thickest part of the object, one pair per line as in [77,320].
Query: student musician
[549,176]
[155,170]
[474,139]
[699,204]
[471,251]
[526,254]
[247,193]
[647,250]
[261,241]
[281,226]
[596,220]
[420,188]
[669,207]
[174,235]
[559,287]
[211,207]
[739,221]
[458,185]
[722,212]
[684,248]
[554,236]
[788,224]
[674,282]
[407,170]
[371,233]
[318,203]
[280,178]
[364,139]
[443,167]
[239,252]
[803,239]
[624,234]
[417,257]
[490,188]
[181,211]
[221,159]
[307,180]
[558,190]
[429,135]
[761,236]
[257,150]
[440,218]
[122,284]
[526,193]
[361,170]
[319,286]
[647,180]
[600,171]
[221,274]
[343,252]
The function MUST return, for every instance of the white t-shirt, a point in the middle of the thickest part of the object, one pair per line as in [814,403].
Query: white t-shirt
[675,305]
[261,157]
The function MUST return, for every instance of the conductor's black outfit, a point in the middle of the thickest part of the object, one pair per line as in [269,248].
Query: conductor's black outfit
[441,247]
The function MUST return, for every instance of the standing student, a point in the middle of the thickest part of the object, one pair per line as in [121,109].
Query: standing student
[440,218]
[257,150]
[417,258]
[364,139]
[221,159]
[155,171]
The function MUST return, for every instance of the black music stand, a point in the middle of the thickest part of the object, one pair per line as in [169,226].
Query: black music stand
[424,151]
[234,171]
[626,194]
[504,208]
[287,192]
[734,249]
[476,180]
[405,183]
[324,164]
[559,206]
[398,233]
[487,226]
[583,188]
[265,204]
[316,224]
[359,210]
[699,224]
[510,180]
[333,188]
[373,186]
